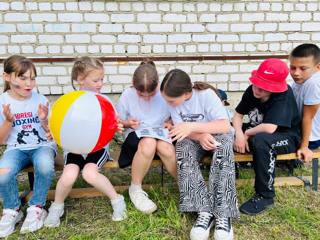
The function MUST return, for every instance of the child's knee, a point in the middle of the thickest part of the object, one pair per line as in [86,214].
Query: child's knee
[147,146]
[6,175]
[89,173]
[165,149]
[260,140]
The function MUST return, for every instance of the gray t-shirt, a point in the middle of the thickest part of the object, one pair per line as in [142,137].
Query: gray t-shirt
[203,106]
[308,93]
[152,113]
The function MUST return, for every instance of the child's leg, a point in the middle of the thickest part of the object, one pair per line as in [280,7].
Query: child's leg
[167,153]
[66,181]
[142,159]
[43,164]
[11,163]
[92,176]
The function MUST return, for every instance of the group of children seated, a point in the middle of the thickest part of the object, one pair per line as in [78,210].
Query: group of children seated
[282,119]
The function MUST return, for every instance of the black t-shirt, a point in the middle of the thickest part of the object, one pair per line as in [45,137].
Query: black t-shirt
[280,109]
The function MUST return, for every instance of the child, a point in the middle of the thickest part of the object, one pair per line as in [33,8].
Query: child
[89,73]
[141,107]
[23,128]
[305,71]
[201,126]
[273,128]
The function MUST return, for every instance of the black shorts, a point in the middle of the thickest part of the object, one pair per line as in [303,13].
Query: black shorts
[129,149]
[99,158]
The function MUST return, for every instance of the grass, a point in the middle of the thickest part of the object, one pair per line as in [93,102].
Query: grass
[295,215]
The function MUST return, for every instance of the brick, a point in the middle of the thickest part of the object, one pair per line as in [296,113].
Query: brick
[227,68]
[13,49]
[81,49]
[276,7]
[132,49]
[44,6]
[58,6]
[126,38]
[72,6]
[242,77]
[300,7]
[289,27]
[161,27]
[6,28]
[217,78]
[312,7]
[227,47]
[275,37]
[106,89]
[85,6]
[219,27]
[315,36]
[239,47]
[203,48]
[110,28]
[191,48]
[111,70]
[70,17]
[171,48]
[191,17]
[311,27]
[164,6]
[98,6]
[299,36]
[96,17]
[239,7]
[252,6]
[16,6]
[137,7]
[263,47]
[203,37]
[189,7]
[27,49]
[106,49]
[228,17]
[55,27]
[227,38]
[151,7]
[241,27]
[122,17]
[67,89]
[83,27]
[207,18]
[192,28]
[56,90]
[148,38]
[203,69]
[23,38]
[124,6]
[134,27]
[179,38]
[176,7]
[286,47]
[111,6]
[55,39]
[54,49]
[277,17]
[16,17]
[252,17]
[4,6]
[78,38]
[234,87]
[41,50]
[63,80]
[157,48]
[250,47]
[297,16]
[93,49]
[174,18]
[215,48]
[202,7]
[149,17]
[180,49]
[103,38]
[316,16]
[4,39]
[145,49]
[251,37]
[43,17]
[44,90]
[265,27]
[227,7]
[288,7]
[29,28]
[116,88]
[46,80]
[274,47]
[67,49]
[54,71]
[264,6]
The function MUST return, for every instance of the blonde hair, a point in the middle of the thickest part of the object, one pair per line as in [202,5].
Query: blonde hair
[83,66]
[18,65]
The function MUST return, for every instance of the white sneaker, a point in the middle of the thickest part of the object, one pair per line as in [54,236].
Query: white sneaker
[8,221]
[202,226]
[223,229]
[141,201]
[119,209]
[56,211]
[34,220]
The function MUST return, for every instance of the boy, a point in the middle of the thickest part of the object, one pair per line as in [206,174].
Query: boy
[305,71]
[273,128]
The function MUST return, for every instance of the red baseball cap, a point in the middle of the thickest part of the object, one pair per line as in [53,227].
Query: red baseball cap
[271,76]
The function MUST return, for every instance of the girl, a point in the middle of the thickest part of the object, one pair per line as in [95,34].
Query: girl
[89,73]
[24,129]
[140,107]
[201,126]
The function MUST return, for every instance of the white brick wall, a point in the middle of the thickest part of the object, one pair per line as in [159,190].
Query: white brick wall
[154,28]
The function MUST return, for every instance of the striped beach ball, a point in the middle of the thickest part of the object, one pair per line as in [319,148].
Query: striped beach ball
[82,122]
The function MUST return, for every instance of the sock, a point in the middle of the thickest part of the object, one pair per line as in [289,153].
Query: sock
[135,187]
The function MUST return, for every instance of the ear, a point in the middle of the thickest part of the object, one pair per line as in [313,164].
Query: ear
[318,66]
[187,95]
[6,77]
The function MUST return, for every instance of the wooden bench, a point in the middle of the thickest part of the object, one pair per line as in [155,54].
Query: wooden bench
[308,181]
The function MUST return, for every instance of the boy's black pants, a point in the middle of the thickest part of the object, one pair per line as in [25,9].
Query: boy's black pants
[264,148]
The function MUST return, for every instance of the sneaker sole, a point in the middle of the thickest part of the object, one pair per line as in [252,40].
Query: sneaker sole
[254,214]
[24,231]
[206,237]
[12,231]
[53,225]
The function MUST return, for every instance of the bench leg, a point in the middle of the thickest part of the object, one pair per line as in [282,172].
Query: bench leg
[31,180]
[315,167]
[162,173]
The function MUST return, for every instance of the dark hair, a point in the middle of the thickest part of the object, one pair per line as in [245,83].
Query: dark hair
[19,65]
[177,82]
[307,50]
[83,66]
[145,77]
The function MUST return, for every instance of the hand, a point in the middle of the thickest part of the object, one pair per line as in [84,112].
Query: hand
[7,113]
[207,141]
[241,143]
[120,128]
[43,111]
[133,123]
[181,131]
[49,136]
[305,154]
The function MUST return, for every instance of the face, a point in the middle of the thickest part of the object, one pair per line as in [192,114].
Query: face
[302,68]
[93,81]
[176,101]
[21,86]
[261,94]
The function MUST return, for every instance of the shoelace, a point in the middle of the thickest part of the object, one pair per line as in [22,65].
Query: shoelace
[223,224]
[203,220]
[255,199]
[7,216]
[33,214]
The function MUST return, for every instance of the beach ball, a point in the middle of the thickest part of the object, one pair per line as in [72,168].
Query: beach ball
[82,122]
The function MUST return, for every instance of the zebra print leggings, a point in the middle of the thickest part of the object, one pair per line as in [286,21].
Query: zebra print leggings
[220,197]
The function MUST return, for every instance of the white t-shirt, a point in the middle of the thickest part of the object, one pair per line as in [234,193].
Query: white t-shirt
[152,113]
[308,93]
[203,106]
[26,132]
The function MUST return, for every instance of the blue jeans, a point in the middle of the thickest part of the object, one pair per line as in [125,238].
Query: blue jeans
[13,161]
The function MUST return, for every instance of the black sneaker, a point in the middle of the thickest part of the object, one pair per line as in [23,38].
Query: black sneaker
[223,229]
[257,204]
[201,228]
